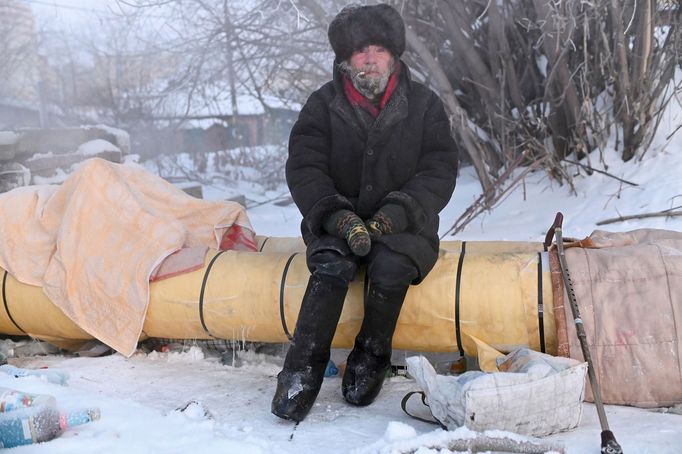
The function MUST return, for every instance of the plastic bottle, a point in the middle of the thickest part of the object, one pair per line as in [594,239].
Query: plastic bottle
[28,425]
[78,417]
[51,375]
[39,423]
[331,369]
[11,400]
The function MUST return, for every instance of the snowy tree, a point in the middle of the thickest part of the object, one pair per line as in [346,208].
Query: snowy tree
[266,49]
[528,84]
[525,81]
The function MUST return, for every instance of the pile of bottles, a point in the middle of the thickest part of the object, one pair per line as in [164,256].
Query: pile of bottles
[34,418]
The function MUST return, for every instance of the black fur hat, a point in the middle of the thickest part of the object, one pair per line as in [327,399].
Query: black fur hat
[358,26]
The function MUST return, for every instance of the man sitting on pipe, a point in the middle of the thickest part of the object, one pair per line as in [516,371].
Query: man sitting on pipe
[371,164]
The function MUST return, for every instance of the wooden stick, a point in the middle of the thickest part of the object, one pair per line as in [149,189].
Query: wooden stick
[658,214]
[673,133]
[592,169]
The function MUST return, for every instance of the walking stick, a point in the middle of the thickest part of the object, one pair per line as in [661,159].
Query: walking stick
[609,445]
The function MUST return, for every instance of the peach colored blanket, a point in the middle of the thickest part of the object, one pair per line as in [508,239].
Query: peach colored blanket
[93,242]
[629,290]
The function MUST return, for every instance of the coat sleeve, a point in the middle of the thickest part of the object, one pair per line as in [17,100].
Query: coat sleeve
[307,167]
[431,187]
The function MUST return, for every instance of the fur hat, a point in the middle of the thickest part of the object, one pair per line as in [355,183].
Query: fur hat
[358,26]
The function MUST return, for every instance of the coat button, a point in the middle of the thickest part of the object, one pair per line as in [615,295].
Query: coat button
[370,152]
[369,187]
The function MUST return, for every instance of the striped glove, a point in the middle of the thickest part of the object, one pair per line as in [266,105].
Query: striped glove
[390,218]
[347,225]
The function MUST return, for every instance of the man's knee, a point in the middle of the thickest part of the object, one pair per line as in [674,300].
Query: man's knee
[391,269]
[331,264]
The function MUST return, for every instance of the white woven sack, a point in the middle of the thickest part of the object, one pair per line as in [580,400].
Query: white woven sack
[543,399]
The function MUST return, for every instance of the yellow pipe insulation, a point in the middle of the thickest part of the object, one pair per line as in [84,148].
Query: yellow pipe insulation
[498,300]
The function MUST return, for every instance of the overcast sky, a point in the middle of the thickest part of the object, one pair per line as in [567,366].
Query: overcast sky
[71,14]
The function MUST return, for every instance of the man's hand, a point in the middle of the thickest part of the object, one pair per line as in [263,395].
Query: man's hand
[390,218]
[347,225]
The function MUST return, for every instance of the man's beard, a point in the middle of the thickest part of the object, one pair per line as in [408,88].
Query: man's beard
[370,87]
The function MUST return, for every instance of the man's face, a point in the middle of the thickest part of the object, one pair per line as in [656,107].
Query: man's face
[370,69]
[374,61]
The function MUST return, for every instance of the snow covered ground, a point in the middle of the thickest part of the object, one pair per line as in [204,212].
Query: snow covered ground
[139,398]
[229,407]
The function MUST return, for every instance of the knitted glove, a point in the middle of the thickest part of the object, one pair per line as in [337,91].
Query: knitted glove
[347,225]
[390,218]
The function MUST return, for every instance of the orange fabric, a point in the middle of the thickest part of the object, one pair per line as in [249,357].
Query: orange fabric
[188,259]
[93,242]
[185,260]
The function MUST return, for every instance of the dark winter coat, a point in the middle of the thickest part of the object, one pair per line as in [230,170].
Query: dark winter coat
[407,157]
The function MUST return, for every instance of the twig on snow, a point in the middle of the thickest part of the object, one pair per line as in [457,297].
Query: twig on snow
[657,214]
[592,169]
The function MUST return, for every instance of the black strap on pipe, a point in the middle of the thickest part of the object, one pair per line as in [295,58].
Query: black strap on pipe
[458,286]
[281,296]
[4,300]
[203,289]
[541,310]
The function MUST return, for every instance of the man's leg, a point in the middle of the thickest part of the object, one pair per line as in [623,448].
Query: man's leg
[301,377]
[390,276]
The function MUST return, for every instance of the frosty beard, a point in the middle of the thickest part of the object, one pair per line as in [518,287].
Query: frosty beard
[369,86]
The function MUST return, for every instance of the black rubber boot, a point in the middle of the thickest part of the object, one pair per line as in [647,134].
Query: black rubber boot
[370,360]
[301,377]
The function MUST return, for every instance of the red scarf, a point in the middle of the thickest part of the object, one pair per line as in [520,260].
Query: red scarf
[355,98]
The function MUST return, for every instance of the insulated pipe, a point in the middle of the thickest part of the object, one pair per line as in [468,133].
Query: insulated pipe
[487,291]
